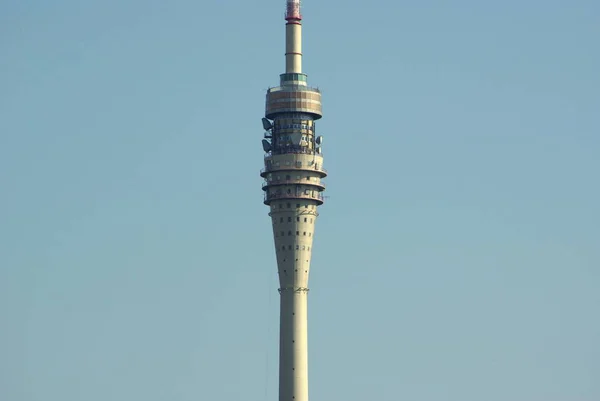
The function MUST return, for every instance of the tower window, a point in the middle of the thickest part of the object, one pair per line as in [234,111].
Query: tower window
[305,219]
[289,219]
[289,233]
[297,232]
[298,219]
[304,233]
[289,247]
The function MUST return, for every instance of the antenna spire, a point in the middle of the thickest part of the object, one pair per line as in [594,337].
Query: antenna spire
[292,10]
[293,37]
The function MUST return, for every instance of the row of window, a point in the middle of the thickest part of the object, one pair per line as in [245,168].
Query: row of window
[289,220]
[290,234]
[289,163]
[289,177]
[297,163]
[298,248]
[285,271]
[298,192]
[293,126]
[289,205]
[295,149]
[291,76]
[282,139]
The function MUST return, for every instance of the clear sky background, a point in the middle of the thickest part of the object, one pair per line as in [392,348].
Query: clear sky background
[456,259]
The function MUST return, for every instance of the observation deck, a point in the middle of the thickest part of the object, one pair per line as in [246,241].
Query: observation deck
[320,186]
[297,162]
[292,167]
[293,99]
[312,195]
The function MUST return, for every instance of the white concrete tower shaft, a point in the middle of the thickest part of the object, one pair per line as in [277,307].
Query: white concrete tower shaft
[293,189]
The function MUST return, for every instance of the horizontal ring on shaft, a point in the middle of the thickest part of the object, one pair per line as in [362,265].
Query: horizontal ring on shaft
[294,289]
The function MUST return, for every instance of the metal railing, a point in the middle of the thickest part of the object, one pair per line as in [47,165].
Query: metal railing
[298,195]
[291,150]
[292,167]
[299,88]
[293,181]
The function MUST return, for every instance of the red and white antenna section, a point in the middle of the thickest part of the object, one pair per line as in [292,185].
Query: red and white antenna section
[293,37]
[292,10]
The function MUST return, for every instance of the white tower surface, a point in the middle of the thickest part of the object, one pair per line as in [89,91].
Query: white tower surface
[293,190]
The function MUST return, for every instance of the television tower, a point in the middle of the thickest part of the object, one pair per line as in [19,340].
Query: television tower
[293,190]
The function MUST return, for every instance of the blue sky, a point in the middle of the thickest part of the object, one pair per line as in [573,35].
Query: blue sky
[456,259]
